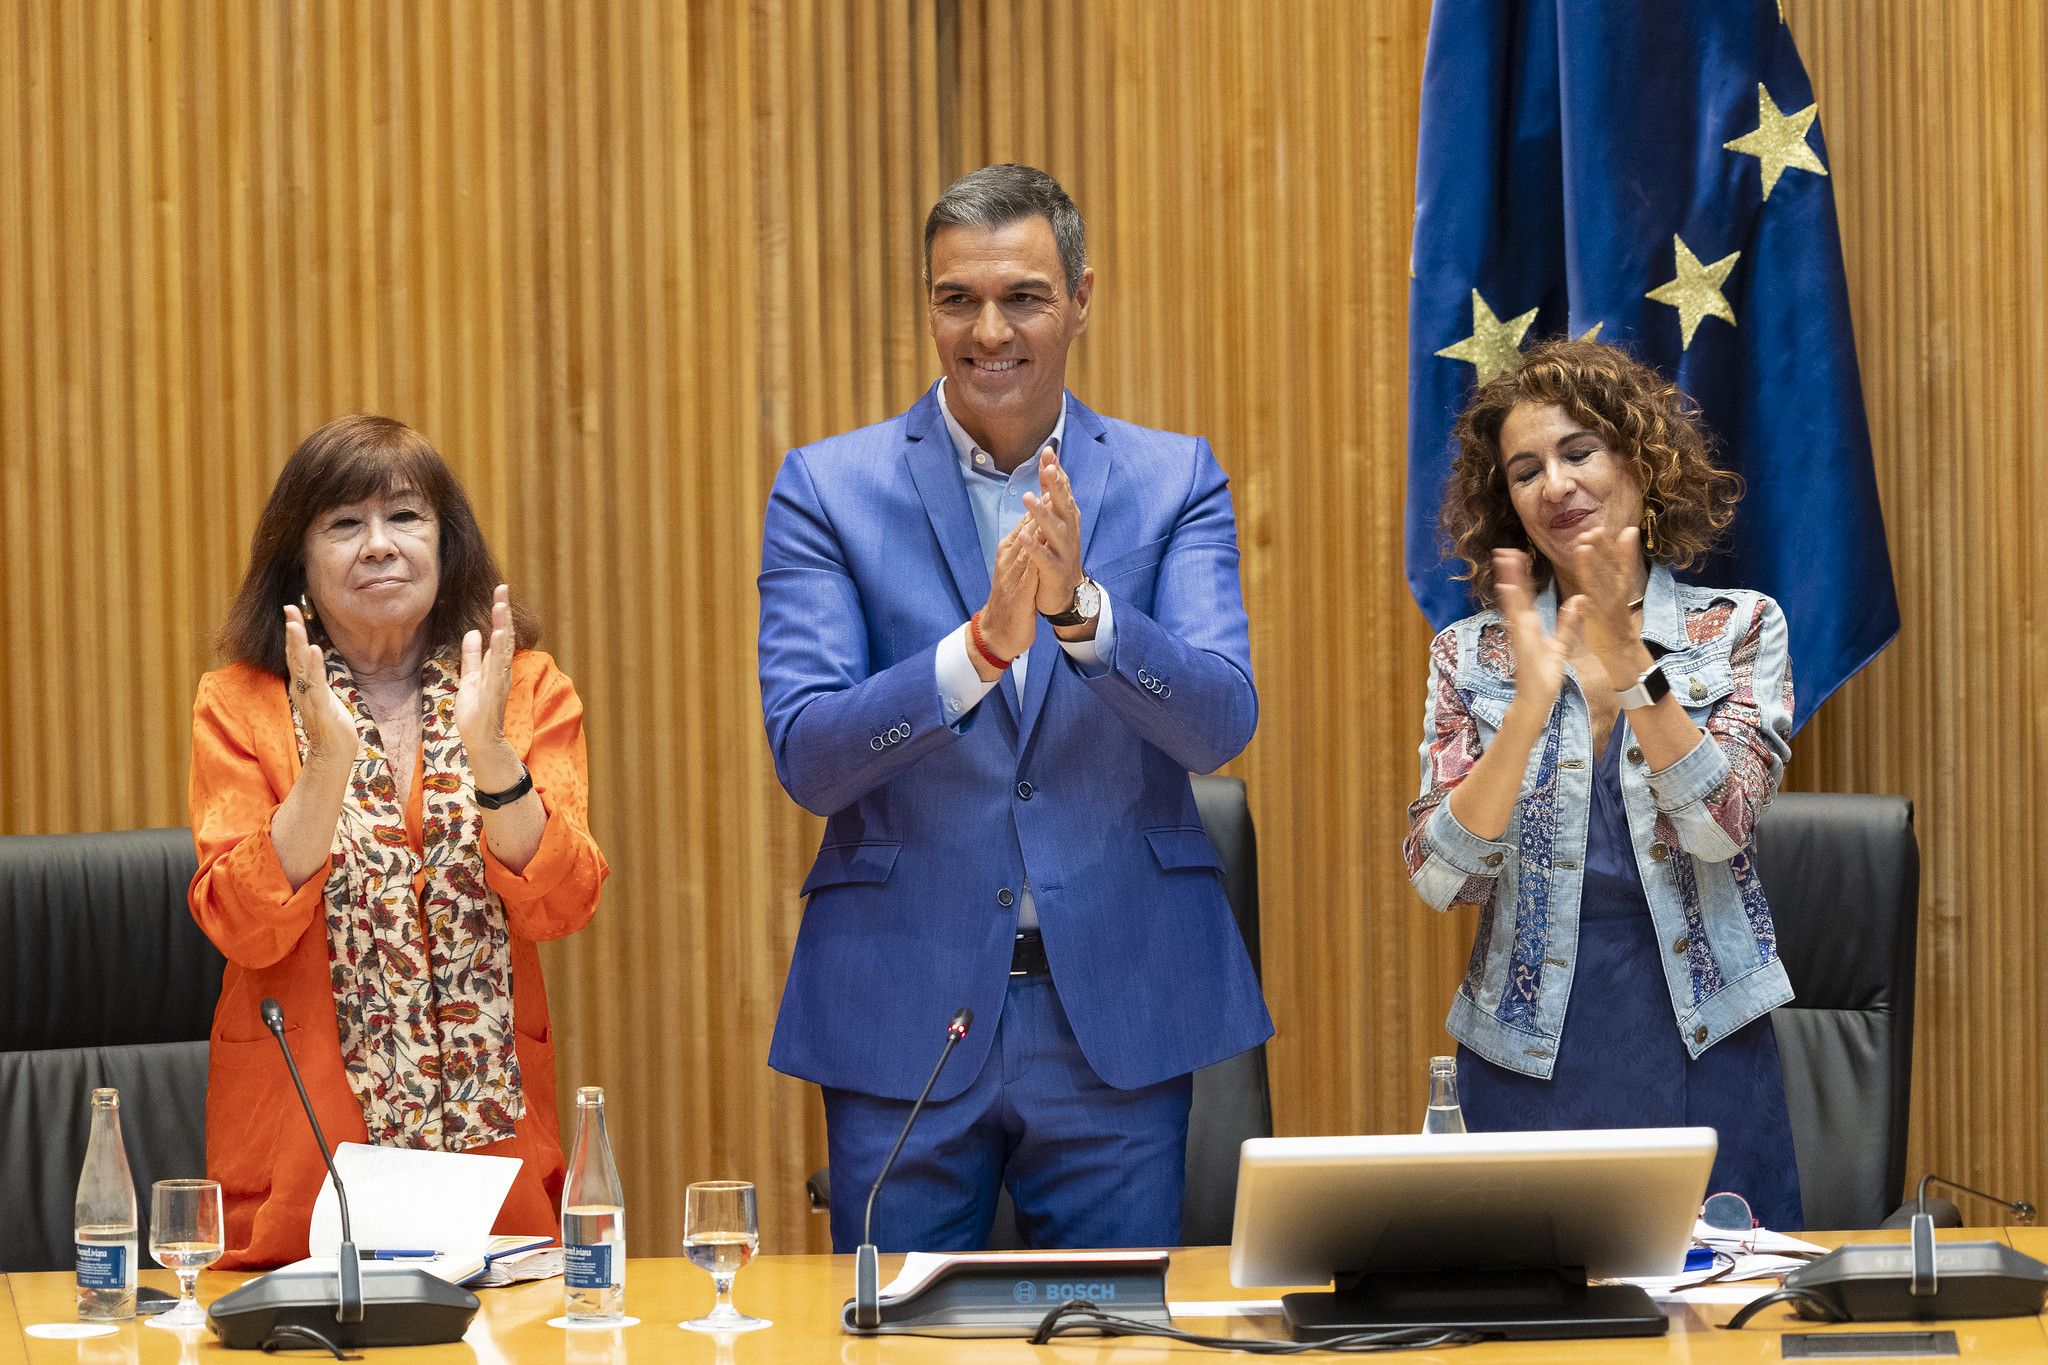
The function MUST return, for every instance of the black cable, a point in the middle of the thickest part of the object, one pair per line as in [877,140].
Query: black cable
[292,1337]
[1081,1315]
[1828,1312]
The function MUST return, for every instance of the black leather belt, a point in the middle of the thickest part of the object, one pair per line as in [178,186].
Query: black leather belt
[1027,957]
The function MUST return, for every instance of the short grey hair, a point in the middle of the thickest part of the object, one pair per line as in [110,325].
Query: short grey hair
[997,196]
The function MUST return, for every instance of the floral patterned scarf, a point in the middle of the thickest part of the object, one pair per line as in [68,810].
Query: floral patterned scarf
[422,988]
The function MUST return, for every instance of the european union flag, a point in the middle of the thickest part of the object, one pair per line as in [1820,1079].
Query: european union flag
[1650,172]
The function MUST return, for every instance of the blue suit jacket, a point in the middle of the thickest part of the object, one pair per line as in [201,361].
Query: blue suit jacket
[869,559]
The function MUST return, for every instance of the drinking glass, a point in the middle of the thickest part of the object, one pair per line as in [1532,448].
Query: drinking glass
[184,1237]
[721,1232]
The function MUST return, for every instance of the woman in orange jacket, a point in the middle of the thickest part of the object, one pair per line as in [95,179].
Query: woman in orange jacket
[390,802]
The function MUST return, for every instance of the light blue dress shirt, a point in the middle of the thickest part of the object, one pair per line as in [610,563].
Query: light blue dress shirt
[998,503]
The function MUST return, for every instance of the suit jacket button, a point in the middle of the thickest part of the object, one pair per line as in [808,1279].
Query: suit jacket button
[1005,898]
[1024,790]
[1699,1035]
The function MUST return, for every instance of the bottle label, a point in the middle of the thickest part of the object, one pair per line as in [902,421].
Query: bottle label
[102,1267]
[587,1267]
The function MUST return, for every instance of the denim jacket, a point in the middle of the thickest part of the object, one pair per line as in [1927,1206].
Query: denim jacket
[1691,824]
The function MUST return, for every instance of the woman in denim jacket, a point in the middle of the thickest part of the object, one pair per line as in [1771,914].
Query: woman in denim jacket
[1592,775]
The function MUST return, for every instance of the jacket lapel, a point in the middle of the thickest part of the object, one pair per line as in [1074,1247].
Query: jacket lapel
[935,470]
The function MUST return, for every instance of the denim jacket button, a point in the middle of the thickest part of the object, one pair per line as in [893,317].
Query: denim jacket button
[1493,859]
[1699,690]
[1680,944]
[1635,753]
[1699,1035]
[1658,853]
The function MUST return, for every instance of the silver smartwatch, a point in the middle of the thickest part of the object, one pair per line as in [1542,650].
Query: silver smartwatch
[1649,689]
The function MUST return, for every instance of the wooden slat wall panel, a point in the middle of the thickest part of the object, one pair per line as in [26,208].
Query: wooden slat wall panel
[1936,119]
[615,259]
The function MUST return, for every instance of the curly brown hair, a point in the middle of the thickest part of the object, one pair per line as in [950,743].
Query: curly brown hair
[349,459]
[1643,418]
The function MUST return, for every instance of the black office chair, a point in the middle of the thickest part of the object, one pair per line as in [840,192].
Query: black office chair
[1232,1100]
[1842,874]
[104,980]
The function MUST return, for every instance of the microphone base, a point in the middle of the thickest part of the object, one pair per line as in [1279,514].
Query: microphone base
[399,1308]
[1007,1294]
[867,1279]
[1874,1283]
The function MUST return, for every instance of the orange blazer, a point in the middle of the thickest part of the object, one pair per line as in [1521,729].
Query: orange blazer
[244,761]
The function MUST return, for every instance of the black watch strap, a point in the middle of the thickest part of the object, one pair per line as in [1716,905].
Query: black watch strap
[495,800]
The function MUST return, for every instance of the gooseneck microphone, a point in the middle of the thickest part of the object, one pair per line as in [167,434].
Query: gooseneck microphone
[867,1294]
[348,1265]
[1923,1283]
[301,1306]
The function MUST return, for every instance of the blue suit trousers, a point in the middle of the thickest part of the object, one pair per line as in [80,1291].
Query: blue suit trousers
[1087,1165]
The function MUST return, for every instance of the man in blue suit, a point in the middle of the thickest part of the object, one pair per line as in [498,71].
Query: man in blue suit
[997,632]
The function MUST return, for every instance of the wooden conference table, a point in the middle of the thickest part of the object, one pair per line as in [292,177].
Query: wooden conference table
[802,1294]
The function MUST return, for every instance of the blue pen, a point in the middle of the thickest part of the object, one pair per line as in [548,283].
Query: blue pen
[399,1254]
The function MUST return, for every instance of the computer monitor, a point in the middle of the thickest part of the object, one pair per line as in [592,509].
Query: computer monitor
[1497,1233]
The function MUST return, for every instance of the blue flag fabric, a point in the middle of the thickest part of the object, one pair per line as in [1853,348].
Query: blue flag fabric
[1653,169]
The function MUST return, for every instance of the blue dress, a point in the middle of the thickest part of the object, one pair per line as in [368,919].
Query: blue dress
[1621,1062]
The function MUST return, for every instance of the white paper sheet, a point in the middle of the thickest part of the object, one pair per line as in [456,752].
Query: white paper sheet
[918,1266]
[402,1198]
[1226,1308]
[1761,1241]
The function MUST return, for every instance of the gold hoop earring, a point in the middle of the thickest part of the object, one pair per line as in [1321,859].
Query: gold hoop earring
[305,609]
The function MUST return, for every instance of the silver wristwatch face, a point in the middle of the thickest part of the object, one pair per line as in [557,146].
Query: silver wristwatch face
[1087,600]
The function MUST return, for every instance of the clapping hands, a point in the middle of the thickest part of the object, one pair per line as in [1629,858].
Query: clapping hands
[1607,569]
[486,678]
[330,728]
[1540,655]
[1054,539]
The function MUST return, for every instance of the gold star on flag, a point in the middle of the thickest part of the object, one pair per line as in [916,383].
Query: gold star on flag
[1696,293]
[1592,333]
[1495,347]
[1779,141]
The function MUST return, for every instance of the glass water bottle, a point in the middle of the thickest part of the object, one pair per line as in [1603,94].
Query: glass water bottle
[1443,1114]
[103,1218]
[593,1219]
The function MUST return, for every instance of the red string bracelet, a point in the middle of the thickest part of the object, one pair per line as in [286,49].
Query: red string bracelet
[981,645]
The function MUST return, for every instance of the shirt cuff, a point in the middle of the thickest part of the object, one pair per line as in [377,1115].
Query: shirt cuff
[1460,847]
[1096,655]
[960,687]
[553,859]
[1696,777]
